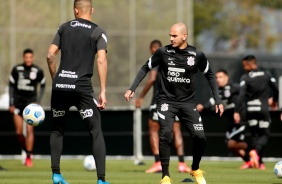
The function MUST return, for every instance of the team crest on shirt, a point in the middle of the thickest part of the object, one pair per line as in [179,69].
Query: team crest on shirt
[32,75]
[164,107]
[190,61]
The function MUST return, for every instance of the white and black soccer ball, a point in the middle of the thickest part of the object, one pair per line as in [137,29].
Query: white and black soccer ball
[278,169]
[89,163]
[33,114]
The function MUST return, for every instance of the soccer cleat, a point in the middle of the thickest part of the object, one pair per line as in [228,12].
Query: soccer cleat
[28,162]
[58,179]
[198,175]
[246,165]
[254,158]
[182,167]
[102,182]
[166,180]
[262,166]
[156,167]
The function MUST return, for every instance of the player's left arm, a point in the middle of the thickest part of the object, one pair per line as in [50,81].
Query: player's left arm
[273,85]
[240,102]
[42,81]
[204,67]
[102,64]
[51,56]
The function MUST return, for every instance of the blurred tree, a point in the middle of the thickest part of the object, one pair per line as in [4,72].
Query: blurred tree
[234,25]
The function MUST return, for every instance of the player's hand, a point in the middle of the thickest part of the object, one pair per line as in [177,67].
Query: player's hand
[128,95]
[274,106]
[236,117]
[219,108]
[102,101]
[200,107]
[138,102]
[12,109]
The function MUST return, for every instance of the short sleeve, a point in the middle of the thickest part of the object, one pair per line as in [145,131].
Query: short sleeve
[156,58]
[13,76]
[57,39]
[100,36]
[41,78]
[203,63]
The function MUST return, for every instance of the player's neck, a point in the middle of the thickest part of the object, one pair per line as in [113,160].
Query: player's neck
[183,46]
[85,17]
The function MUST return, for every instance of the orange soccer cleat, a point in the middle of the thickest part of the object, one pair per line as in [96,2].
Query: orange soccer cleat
[182,167]
[254,158]
[246,165]
[156,167]
[28,162]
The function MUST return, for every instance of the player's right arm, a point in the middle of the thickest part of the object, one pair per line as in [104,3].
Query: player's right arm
[153,61]
[12,85]
[152,78]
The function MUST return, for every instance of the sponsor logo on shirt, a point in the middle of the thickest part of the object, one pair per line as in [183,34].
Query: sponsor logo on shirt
[190,61]
[65,86]
[192,52]
[173,75]
[76,23]
[171,63]
[171,51]
[170,59]
[58,113]
[198,127]
[67,74]
[256,74]
[164,107]
[23,84]
[86,114]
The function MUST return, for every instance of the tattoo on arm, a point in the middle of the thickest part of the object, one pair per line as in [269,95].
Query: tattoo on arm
[51,64]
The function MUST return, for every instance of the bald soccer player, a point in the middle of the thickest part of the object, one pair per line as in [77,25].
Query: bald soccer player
[79,40]
[178,64]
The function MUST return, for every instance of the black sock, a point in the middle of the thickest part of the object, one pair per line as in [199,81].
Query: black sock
[157,158]
[101,178]
[28,154]
[21,140]
[181,158]
[165,170]
[246,158]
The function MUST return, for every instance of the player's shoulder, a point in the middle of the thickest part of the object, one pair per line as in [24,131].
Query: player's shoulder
[18,67]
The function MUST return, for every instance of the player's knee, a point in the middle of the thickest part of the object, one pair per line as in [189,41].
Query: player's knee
[200,137]
[166,137]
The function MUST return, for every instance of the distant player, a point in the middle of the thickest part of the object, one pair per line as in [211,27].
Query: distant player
[79,41]
[154,125]
[24,80]
[235,133]
[178,64]
[254,94]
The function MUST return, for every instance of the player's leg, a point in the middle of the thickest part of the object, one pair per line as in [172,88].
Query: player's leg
[154,128]
[60,104]
[18,122]
[263,136]
[29,144]
[192,120]
[91,116]
[166,113]
[178,142]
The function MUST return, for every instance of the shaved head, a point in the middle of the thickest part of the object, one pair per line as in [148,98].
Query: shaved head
[180,27]
[82,7]
[178,35]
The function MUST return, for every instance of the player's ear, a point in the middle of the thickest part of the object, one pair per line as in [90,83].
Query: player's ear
[75,11]
[184,37]
[92,10]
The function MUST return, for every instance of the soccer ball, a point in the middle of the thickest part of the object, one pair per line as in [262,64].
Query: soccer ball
[278,169]
[89,163]
[33,114]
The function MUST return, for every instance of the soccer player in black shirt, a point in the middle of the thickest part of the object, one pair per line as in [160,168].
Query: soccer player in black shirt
[79,40]
[24,80]
[178,64]
[235,133]
[153,123]
[254,94]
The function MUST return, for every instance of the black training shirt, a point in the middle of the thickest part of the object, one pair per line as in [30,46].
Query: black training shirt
[79,40]
[23,84]
[177,73]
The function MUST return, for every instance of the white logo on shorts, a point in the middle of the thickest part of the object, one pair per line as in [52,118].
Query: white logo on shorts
[164,107]
[58,113]
[86,114]
[198,127]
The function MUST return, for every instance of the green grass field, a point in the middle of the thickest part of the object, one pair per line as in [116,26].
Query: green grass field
[119,171]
